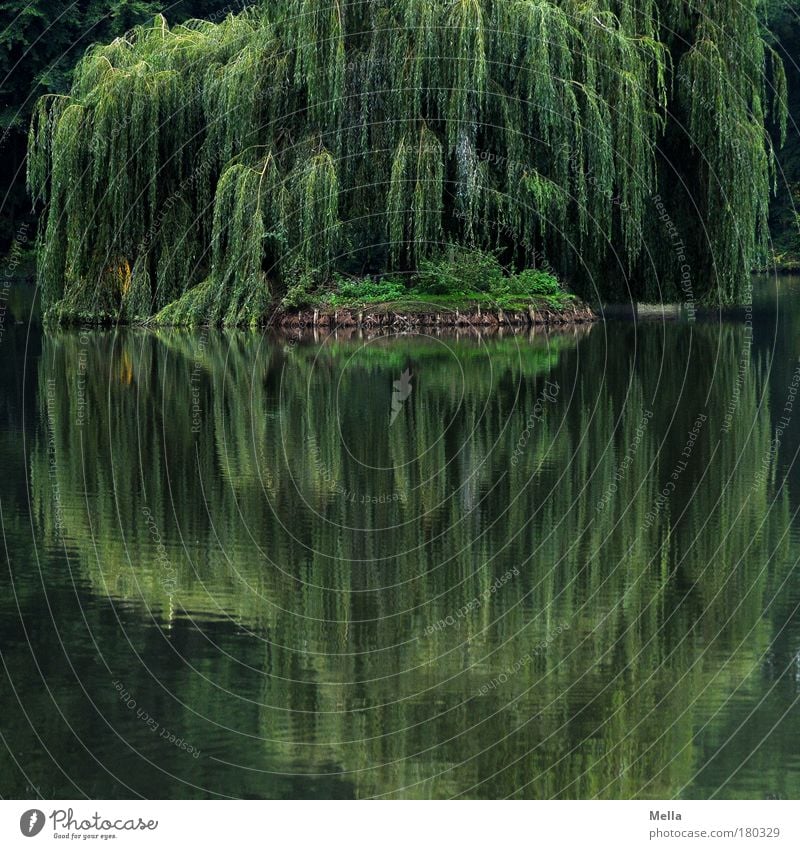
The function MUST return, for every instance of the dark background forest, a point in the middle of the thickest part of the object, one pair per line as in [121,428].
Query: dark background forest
[782,23]
[40,43]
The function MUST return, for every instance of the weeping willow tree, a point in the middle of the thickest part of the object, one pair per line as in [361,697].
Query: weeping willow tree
[207,168]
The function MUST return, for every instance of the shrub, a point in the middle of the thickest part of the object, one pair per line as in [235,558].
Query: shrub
[471,275]
[300,291]
[529,283]
[366,290]
[459,271]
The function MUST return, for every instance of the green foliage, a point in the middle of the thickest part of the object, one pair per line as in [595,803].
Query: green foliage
[136,306]
[460,277]
[531,284]
[469,273]
[315,211]
[292,139]
[301,289]
[414,198]
[365,291]
[460,271]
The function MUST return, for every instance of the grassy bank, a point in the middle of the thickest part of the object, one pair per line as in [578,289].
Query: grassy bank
[462,284]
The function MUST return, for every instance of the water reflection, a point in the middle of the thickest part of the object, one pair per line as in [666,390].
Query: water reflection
[556,566]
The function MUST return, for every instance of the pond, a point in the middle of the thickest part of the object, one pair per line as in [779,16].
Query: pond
[545,565]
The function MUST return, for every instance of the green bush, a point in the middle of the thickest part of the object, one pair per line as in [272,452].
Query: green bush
[366,290]
[459,274]
[460,271]
[300,291]
[529,283]
[534,282]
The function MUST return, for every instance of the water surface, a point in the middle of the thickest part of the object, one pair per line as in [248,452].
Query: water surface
[537,565]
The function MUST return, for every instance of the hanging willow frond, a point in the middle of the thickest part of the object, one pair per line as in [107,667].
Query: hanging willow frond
[415,202]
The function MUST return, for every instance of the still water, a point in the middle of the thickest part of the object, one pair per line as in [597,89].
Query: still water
[529,565]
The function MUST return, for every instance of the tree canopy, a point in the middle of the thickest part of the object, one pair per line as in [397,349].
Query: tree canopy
[214,164]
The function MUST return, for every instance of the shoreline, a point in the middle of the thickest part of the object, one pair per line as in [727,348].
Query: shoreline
[375,316]
[409,314]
